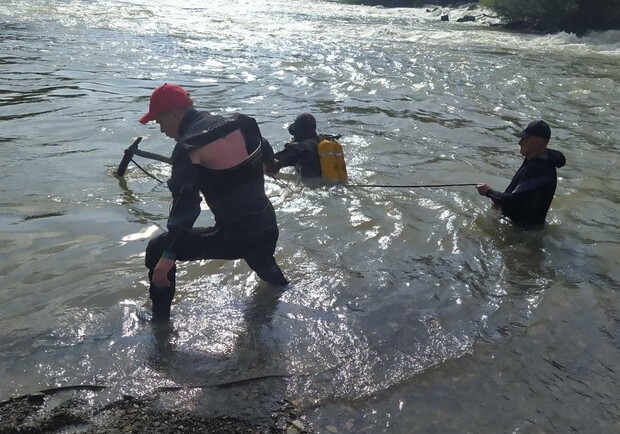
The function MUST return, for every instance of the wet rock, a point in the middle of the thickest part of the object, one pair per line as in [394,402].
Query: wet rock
[36,398]
[466,19]
[135,415]
[332,429]
[300,426]
[445,18]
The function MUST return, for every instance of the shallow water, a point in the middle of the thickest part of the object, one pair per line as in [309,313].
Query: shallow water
[411,310]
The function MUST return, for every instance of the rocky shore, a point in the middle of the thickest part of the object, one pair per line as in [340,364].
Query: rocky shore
[71,411]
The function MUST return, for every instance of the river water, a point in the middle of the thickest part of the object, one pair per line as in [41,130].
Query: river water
[410,310]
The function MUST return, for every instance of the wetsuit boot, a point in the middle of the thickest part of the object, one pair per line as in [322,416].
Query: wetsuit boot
[267,269]
[160,297]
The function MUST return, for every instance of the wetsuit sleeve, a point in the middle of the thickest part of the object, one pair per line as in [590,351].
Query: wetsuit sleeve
[289,156]
[529,200]
[185,207]
[267,151]
[497,196]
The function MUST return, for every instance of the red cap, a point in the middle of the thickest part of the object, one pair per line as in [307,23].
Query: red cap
[166,97]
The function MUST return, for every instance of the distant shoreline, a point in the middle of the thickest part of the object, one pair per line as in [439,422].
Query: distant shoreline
[575,18]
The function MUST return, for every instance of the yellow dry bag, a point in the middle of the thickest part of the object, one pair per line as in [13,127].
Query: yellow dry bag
[331,157]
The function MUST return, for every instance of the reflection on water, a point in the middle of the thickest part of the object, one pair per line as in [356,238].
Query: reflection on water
[404,304]
[252,344]
[527,273]
[253,364]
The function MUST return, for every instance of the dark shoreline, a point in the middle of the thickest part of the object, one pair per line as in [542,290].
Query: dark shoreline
[47,413]
[580,24]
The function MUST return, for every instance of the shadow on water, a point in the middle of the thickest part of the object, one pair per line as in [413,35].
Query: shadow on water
[527,272]
[247,382]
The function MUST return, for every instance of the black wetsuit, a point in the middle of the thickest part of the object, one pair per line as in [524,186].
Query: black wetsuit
[245,221]
[304,155]
[529,195]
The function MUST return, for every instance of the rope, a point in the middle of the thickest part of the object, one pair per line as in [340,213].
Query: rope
[140,167]
[227,383]
[408,186]
[281,183]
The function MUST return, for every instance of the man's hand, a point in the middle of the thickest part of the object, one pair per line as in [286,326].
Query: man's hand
[483,189]
[160,273]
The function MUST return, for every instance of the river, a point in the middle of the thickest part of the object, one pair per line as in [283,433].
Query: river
[410,310]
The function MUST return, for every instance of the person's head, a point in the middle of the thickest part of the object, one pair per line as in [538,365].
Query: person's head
[169,103]
[303,128]
[534,138]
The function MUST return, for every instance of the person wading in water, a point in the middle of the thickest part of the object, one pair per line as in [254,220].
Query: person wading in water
[527,198]
[222,159]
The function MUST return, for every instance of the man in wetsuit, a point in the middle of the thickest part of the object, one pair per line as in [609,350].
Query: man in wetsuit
[302,152]
[222,159]
[529,195]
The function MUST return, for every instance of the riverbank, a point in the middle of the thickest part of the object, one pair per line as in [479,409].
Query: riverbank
[466,12]
[73,411]
[545,16]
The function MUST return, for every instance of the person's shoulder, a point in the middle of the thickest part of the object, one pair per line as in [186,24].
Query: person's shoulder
[245,121]
[242,117]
